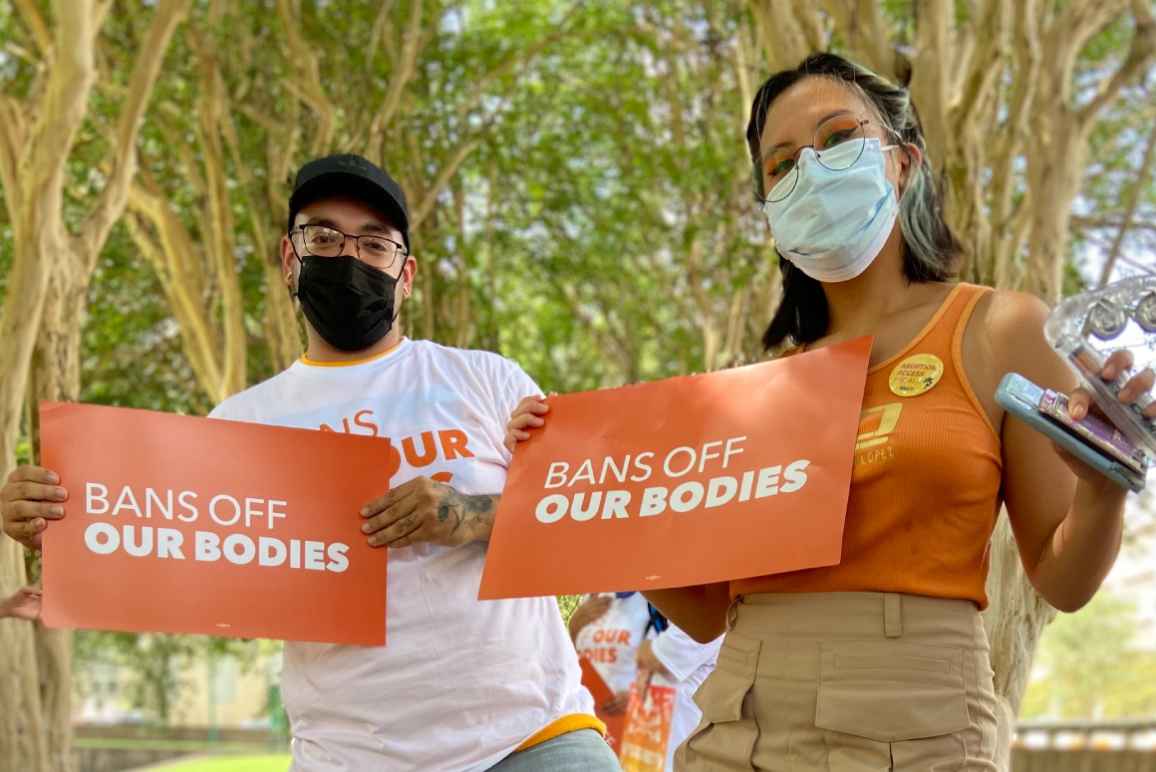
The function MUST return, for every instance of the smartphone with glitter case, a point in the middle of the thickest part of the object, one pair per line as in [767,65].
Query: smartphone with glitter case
[1092,440]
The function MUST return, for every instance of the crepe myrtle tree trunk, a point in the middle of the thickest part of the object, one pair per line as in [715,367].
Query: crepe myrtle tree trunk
[40,324]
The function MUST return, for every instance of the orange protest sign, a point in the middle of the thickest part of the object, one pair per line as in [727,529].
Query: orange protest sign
[648,719]
[193,525]
[690,480]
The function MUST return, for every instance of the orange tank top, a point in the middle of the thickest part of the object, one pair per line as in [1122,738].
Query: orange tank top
[925,490]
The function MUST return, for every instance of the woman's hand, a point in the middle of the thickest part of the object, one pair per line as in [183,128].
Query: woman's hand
[527,415]
[1081,402]
[23,604]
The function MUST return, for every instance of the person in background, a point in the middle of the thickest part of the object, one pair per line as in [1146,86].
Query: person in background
[608,629]
[627,641]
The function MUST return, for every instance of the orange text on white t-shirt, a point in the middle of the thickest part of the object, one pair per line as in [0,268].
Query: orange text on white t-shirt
[419,450]
[612,640]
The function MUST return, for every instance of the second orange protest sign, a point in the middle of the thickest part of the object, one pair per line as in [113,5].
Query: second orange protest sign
[191,525]
[691,480]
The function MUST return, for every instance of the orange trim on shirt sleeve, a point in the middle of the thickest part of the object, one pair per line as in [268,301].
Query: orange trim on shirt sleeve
[570,723]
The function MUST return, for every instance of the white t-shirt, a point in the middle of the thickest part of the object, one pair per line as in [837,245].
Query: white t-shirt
[611,642]
[461,683]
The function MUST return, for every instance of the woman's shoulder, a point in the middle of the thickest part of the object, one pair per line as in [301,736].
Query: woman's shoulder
[1012,324]
[1007,312]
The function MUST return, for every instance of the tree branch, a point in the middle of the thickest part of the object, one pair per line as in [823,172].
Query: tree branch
[518,59]
[963,49]
[13,131]
[217,225]
[929,79]
[196,338]
[65,98]
[986,64]
[35,23]
[1103,223]
[782,35]
[403,72]
[1140,53]
[177,264]
[1139,185]
[814,31]
[1010,140]
[1068,34]
[743,77]
[448,170]
[166,17]
[379,29]
[281,331]
[860,23]
[312,92]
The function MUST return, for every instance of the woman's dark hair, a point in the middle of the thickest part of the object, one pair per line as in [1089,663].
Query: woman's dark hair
[930,250]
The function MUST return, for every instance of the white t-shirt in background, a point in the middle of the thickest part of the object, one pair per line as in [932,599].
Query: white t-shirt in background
[461,683]
[611,642]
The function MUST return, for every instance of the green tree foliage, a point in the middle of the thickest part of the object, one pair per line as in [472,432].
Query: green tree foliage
[1092,665]
[157,667]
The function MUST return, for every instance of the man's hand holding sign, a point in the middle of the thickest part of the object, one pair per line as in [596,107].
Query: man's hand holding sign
[425,510]
[608,491]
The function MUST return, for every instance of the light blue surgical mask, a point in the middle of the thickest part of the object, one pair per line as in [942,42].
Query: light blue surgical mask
[834,224]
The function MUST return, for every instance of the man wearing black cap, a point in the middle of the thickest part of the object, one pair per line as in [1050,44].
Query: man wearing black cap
[463,684]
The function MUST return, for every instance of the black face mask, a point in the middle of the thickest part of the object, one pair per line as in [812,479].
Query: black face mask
[349,303]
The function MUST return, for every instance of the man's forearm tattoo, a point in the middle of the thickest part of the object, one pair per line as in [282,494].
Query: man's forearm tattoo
[474,513]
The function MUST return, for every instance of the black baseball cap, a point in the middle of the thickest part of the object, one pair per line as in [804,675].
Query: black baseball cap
[354,176]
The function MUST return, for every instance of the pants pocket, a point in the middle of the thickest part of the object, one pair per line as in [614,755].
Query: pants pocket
[889,691]
[725,738]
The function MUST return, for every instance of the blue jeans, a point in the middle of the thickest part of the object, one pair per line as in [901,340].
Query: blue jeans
[580,751]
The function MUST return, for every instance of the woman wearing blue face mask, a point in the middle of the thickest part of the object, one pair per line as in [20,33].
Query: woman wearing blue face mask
[881,662]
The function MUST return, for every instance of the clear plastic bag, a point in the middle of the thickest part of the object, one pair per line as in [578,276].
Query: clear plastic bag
[1088,327]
